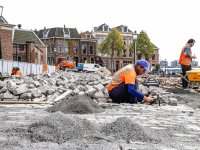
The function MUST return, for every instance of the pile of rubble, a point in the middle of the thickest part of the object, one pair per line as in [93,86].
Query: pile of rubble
[61,85]
[168,82]
[55,87]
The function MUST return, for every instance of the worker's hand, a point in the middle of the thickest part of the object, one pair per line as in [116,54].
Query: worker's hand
[148,99]
[194,57]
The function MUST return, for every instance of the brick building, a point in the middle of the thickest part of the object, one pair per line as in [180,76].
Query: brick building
[88,47]
[6,39]
[127,57]
[27,47]
[57,42]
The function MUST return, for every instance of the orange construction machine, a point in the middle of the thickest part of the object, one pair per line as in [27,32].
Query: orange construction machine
[63,63]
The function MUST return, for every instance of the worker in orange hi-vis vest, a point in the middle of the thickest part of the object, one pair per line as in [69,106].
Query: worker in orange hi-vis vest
[123,86]
[16,71]
[186,60]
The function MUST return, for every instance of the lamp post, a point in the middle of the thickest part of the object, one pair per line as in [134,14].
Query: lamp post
[165,67]
[135,39]
[1,11]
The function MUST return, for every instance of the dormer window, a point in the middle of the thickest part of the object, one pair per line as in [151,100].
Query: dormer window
[105,28]
[66,35]
[88,36]
[45,35]
[125,29]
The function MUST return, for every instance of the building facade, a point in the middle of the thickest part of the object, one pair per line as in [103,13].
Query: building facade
[175,64]
[126,57]
[27,47]
[163,64]
[88,47]
[61,42]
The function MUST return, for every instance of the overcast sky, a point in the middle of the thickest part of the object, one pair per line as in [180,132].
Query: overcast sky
[168,23]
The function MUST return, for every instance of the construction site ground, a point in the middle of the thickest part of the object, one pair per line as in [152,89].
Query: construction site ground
[170,127]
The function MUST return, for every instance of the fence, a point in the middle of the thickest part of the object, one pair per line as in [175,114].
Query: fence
[26,68]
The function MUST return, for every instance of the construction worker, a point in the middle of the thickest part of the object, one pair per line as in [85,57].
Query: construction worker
[123,86]
[186,59]
[16,71]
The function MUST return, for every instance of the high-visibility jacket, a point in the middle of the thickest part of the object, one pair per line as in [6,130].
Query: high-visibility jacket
[184,60]
[18,72]
[127,75]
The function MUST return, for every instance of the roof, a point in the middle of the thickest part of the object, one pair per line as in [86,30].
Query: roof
[21,36]
[83,35]
[155,47]
[58,32]
[100,28]
[119,28]
[3,20]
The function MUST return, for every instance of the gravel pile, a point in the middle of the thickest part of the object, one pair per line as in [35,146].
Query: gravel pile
[125,129]
[179,91]
[79,104]
[59,128]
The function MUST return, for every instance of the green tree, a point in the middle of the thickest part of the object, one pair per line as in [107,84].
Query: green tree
[143,45]
[157,67]
[112,44]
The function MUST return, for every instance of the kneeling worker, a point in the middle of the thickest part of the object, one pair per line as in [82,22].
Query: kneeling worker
[122,86]
[16,71]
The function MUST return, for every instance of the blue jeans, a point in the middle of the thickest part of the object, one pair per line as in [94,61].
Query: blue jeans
[120,94]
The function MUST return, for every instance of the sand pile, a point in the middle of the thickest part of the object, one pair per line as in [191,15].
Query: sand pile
[79,104]
[125,129]
[59,128]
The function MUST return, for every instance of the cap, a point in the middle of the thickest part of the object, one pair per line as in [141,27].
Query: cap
[144,64]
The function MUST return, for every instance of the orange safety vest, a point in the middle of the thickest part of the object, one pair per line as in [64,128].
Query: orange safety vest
[119,77]
[184,60]
[19,73]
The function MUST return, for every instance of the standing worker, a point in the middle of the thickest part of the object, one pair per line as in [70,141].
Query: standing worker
[16,71]
[122,87]
[186,59]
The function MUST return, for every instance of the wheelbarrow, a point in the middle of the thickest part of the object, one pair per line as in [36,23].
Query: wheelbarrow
[193,77]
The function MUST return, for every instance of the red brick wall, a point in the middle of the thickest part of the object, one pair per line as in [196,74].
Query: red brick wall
[6,44]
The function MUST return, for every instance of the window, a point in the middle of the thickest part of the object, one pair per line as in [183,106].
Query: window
[96,66]
[106,55]
[105,28]
[99,40]
[48,60]
[66,48]
[60,48]
[112,64]
[154,57]
[130,41]
[91,49]
[84,48]
[99,53]
[139,56]
[52,48]
[75,48]
[125,29]
[153,66]
[124,53]
[88,36]
[104,37]
[125,41]
[130,54]
[19,58]
[21,47]
[41,57]
[92,60]
[118,54]
[106,63]
[52,61]
[48,48]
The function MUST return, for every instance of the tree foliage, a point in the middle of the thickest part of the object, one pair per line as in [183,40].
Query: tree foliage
[143,45]
[112,44]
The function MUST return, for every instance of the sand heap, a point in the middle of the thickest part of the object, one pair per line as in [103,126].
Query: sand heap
[125,129]
[59,128]
[79,104]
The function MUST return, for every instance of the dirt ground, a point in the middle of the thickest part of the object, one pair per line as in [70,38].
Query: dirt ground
[119,127]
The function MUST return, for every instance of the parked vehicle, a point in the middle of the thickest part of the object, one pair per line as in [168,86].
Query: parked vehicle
[63,63]
[91,67]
